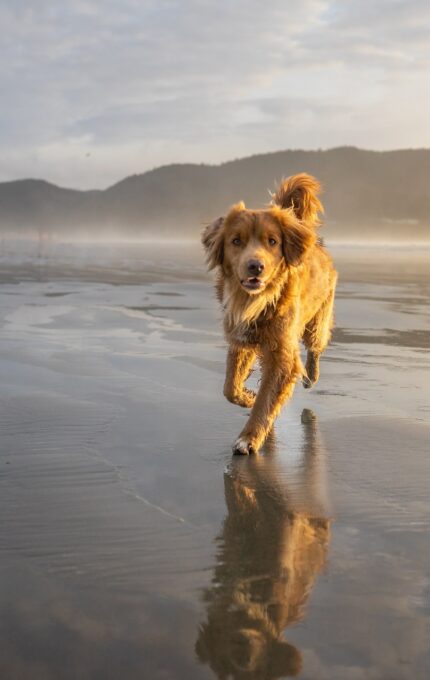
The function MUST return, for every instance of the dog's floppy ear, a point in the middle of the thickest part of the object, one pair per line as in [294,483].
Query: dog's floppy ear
[213,236]
[213,242]
[296,240]
[300,193]
[296,237]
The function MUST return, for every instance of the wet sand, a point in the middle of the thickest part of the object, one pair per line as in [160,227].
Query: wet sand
[134,545]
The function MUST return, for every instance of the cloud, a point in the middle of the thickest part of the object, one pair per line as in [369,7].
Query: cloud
[138,84]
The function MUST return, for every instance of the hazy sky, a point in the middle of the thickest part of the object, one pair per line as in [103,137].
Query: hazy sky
[94,90]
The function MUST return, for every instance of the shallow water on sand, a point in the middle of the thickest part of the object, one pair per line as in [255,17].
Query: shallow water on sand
[134,545]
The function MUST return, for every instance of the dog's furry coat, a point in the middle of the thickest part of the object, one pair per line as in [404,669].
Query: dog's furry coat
[276,283]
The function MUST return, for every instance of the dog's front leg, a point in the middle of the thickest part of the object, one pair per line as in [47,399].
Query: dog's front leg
[280,371]
[239,363]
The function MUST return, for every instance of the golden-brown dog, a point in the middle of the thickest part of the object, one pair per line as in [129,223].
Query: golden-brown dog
[276,283]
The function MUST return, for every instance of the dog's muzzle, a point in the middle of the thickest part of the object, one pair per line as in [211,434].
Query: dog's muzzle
[253,283]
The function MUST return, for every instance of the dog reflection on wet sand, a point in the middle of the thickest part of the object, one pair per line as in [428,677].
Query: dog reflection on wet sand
[272,548]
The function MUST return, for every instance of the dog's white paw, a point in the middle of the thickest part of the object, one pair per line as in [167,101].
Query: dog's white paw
[243,447]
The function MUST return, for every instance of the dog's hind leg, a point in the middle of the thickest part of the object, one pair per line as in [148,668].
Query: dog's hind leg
[239,363]
[316,338]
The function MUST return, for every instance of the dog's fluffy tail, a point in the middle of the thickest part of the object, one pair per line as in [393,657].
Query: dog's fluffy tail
[300,193]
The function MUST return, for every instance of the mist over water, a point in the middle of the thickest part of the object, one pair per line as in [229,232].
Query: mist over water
[152,251]
[367,195]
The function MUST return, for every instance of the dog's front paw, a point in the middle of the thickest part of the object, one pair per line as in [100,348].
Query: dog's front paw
[244,398]
[243,446]
[247,398]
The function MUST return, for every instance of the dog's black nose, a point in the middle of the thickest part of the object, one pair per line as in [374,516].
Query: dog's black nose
[255,267]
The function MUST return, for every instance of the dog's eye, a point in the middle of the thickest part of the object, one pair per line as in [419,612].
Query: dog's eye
[236,241]
[272,241]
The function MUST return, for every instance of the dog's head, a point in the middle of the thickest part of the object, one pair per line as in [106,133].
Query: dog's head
[254,245]
[239,647]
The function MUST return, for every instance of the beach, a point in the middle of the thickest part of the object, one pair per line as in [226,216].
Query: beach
[133,544]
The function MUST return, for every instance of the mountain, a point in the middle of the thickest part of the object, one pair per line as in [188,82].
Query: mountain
[366,193]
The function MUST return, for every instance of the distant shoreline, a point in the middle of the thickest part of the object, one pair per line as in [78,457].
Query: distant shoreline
[190,241]
[377,195]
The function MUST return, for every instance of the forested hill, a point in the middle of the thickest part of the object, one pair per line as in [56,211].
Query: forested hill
[366,194]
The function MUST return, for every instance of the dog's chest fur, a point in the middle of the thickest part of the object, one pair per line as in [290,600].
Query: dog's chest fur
[262,331]
[245,334]
[252,321]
